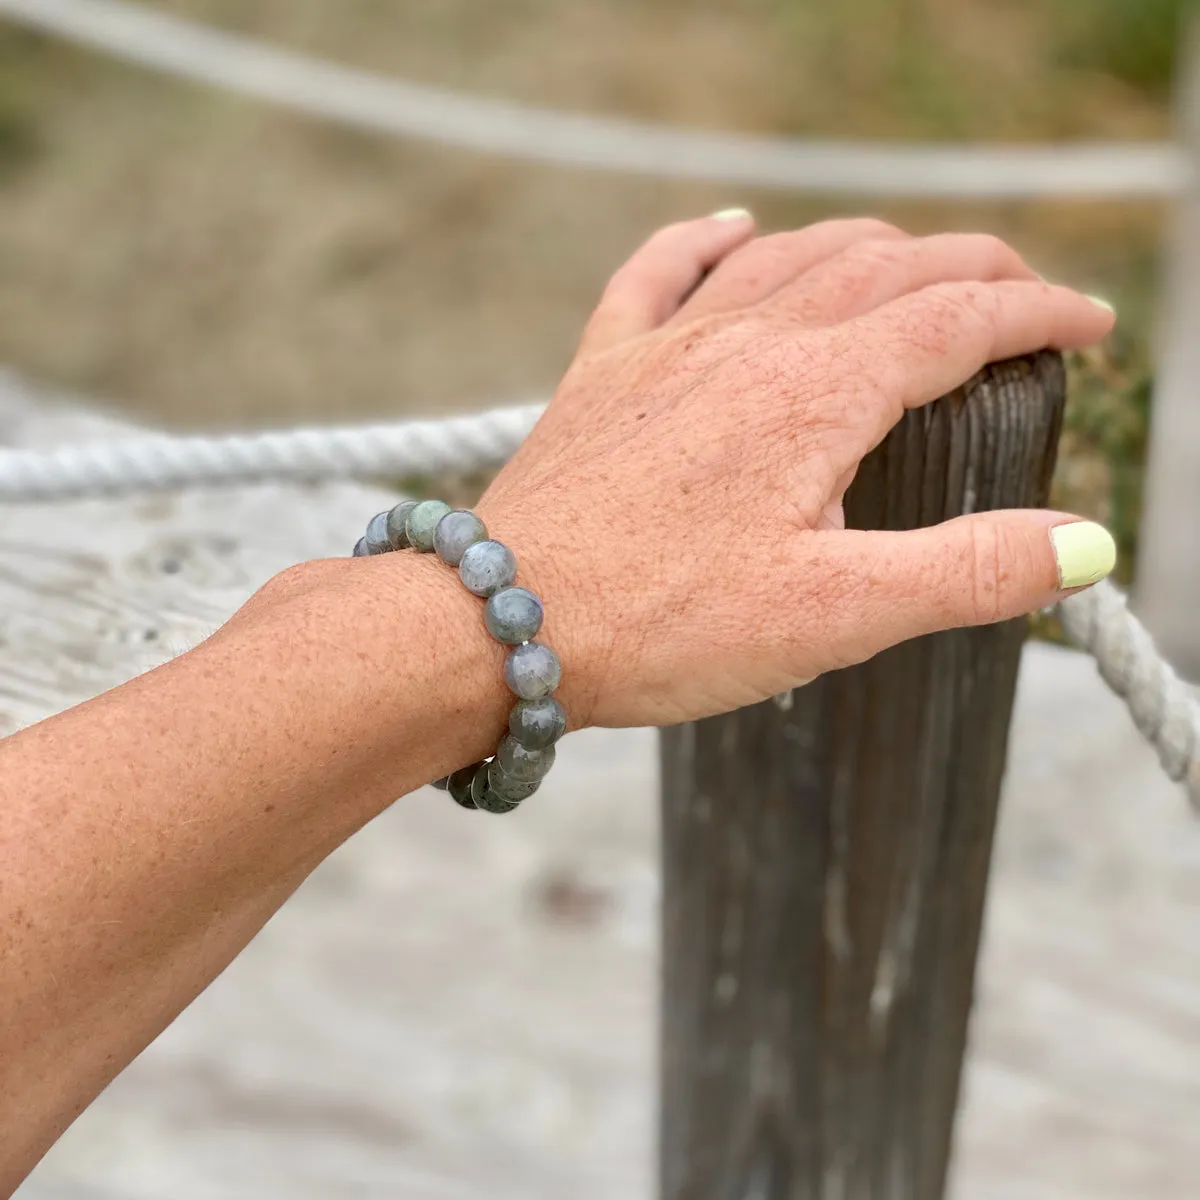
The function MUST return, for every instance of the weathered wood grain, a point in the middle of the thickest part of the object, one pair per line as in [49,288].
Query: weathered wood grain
[452,1008]
[825,867]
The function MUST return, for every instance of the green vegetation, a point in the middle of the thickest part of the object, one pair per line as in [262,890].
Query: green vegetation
[1131,40]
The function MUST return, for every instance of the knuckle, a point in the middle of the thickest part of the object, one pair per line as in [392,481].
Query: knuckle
[989,551]
[944,312]
[998,255]
[865,228]
[873,254]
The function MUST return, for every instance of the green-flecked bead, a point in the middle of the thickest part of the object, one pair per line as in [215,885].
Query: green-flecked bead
[455,532]
[513,615]
[507,788]
[459,785]
[532,671]
[361,549]
[397,524]
[422,521]
[486,567]
[521,764]
[483,795]
[377,538]
[537,724]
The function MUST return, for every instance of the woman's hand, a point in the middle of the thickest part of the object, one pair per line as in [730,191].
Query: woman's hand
[680,503]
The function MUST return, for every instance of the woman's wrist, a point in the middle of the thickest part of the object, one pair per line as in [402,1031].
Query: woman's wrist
[388,664]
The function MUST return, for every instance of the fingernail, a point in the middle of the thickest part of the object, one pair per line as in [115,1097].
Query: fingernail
[732,214]
[1100,302]
[1085,553]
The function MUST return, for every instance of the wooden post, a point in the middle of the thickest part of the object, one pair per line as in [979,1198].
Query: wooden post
[1168,575]
[824,868]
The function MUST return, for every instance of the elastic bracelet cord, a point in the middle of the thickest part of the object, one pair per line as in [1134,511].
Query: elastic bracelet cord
[513,615]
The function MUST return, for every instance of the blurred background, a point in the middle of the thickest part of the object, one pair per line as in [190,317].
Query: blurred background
[198,260]
[195,260]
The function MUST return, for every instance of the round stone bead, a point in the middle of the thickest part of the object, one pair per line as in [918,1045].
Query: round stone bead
[361,549]
[455,532]
[377,538]
[537,724]
[483,795]
[513,615]
[521,764]
[486,567]
[459,785]
[397,524]
[532,671]
[506,788]
[422,521]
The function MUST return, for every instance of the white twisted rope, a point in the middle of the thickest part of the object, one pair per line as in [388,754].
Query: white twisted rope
[365,101]
[1164,708]
[161,463]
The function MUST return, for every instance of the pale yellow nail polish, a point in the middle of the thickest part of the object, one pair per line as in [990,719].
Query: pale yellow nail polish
[1100,302]
[1085,553]
[732,214]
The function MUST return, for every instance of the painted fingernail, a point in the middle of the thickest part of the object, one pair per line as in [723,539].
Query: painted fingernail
[1085,553]
[732,214]
[1100,302]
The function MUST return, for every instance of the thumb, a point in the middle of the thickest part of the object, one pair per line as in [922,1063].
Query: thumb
[973,570]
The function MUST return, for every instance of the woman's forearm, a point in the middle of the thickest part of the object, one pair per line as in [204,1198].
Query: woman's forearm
[147,835]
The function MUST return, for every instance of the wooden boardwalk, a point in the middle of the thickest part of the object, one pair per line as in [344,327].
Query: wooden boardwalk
[455,1006]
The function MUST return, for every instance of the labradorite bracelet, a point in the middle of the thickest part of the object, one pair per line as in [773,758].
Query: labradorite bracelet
[513,616]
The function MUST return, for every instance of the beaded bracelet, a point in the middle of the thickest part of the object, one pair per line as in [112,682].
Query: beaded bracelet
[513,616]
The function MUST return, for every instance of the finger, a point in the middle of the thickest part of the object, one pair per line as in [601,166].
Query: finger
[911,351]
[873,272]
[974,570]
[655,281]
[760,268]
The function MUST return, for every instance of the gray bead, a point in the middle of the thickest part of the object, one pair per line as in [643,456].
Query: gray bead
[397,522]
[422,521]
[522,765]
[487,567]
[361,549]
[442,784]
[532,671]
[507,788]
[483,795]
[455,532]
[513,615]
[537,724]
[459,785]
[377,538]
